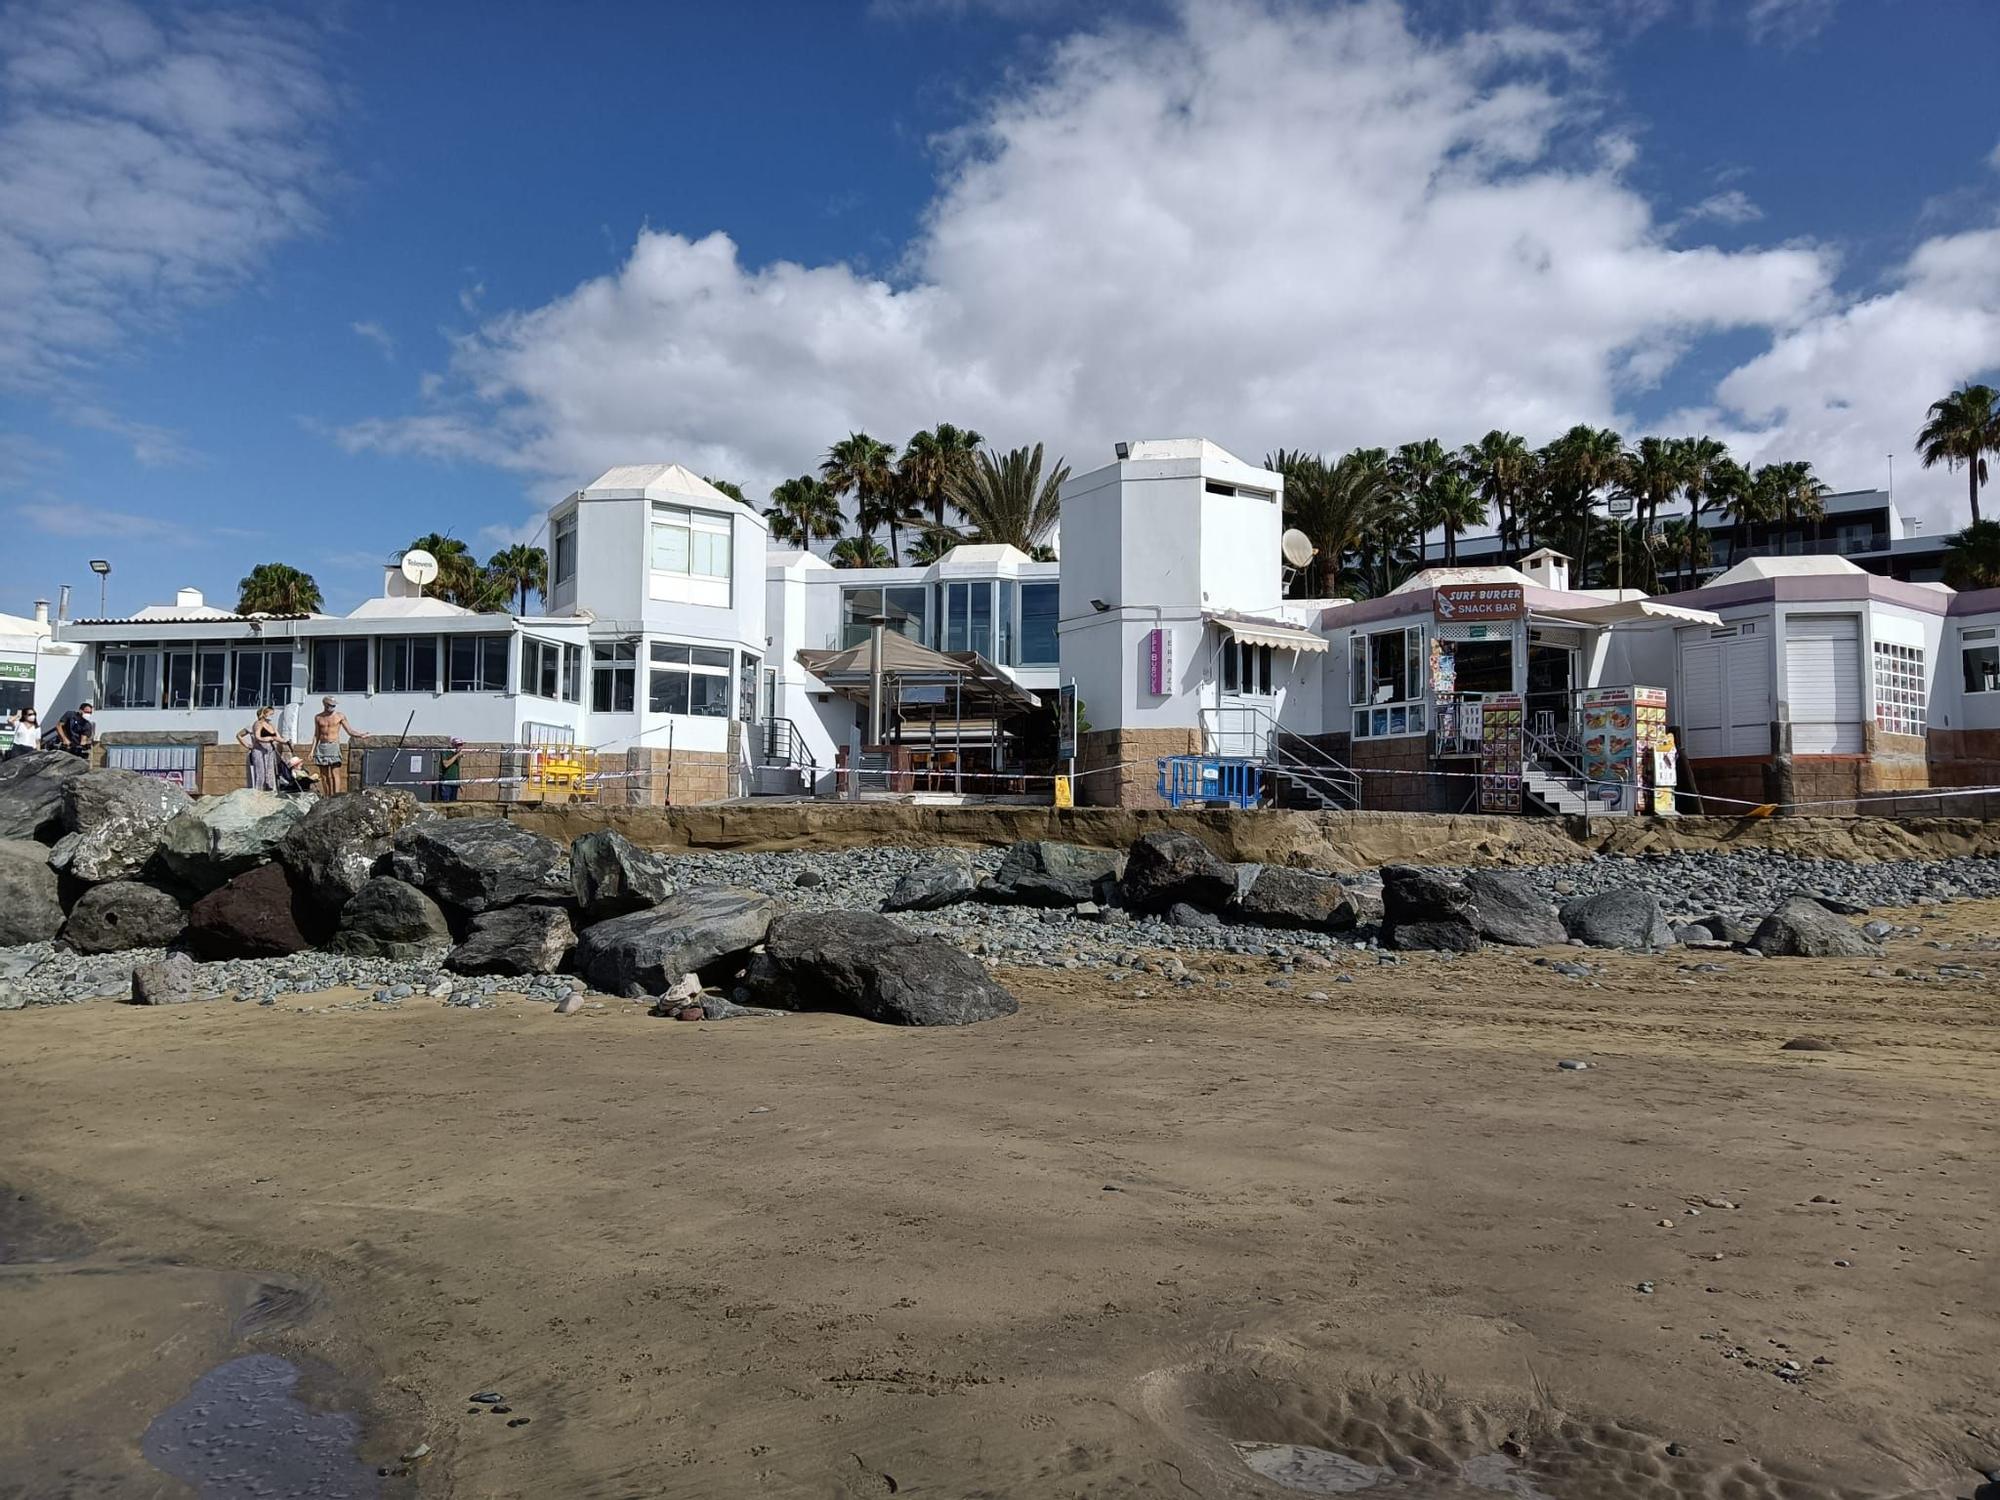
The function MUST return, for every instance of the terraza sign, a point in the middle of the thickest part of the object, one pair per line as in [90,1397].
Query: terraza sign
[1458,603]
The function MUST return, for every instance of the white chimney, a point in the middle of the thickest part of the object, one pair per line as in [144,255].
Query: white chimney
[41,611]
[1547,568]
[188,599]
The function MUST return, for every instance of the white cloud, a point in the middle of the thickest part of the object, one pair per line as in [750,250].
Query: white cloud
[149,160]
[1731,206]
[1788,22]
[377,335]
[66,518]
[1263,224]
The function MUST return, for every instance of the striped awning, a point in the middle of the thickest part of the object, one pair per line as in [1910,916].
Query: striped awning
[1274,633]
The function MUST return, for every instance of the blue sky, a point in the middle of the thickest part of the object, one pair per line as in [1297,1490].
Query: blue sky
[279,288]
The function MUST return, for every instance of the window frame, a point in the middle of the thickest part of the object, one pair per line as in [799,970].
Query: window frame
[483,649]
[125,656]
[708,539]
[1052,589]
[610,661]
[562,550]
[348,649]
[683,673]
[407,647]
[1982,643]
[1901,685]
[264,694]
[1380,720]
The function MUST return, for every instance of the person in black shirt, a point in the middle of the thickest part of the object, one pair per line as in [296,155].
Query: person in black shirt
[75,731]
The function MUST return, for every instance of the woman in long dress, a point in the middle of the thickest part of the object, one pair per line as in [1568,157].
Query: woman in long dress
[261,741]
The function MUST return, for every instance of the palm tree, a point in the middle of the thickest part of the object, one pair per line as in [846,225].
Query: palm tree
[1709,476]
[521,568]
[1576,468]
[728,487]
[1501,465]
[1454,504]
[277,589]
[931,543]
[1972,558]
[1008,499]
[861,552]
[803,509]
[929,461]
[1389,522]
[1654,471]
[1963,428]
[1795,492]
[861,465]
[460,579]
[1331,503]
[1414,468]
[1687,541]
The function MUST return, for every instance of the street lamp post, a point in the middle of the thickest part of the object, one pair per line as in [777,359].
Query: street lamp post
[102,568]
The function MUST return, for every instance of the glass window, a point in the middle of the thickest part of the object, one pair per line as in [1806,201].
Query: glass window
[130,679]
[693,542]
[1387,668]
[688,680]
[340,666]
[1003,639]
[1038,624]
[541,668]
[407,664]
[906,605]
[263,678]
[968,617]
[746,688]
[614,674]
[572,690]
[1982,669]
[565,549]
[211,678]
[478,664]
[1900,688]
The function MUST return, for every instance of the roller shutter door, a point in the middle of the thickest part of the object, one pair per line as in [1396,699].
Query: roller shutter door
[1823,683]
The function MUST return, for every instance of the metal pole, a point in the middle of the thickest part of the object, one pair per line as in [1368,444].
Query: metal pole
[877,627]
[958,736]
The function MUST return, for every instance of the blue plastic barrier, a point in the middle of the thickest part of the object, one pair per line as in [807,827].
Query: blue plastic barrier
[1208,780]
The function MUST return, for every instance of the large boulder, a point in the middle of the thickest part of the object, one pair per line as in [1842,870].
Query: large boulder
[1622,917]
[1041,873]
[1281,897]
[30,911]
[116,819]
[389,918]
[1508,909]
[1165,868]
[475,864]
[167,981]
[929,887]
[215,839]
[865,965]
[515,940]
[31,794]
[256,915]
[611,876]
[1423,909]
[342,841]
[123,914]
[1804,928]
[646,952]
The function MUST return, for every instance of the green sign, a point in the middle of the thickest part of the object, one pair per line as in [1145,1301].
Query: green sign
[22,671]
[1476,632]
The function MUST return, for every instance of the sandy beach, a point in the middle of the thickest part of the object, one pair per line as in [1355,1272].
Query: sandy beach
[1082,1252]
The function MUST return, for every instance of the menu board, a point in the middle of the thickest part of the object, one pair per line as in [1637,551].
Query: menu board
[1501,753]
[1621,727]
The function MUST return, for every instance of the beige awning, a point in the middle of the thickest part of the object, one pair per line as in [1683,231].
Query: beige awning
[1628,610]
[1275,633]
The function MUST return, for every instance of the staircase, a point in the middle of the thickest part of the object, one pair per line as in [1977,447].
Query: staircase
[1553,780]
[784,764]
[1298,773]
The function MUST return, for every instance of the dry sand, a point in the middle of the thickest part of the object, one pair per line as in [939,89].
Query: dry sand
[816,1257]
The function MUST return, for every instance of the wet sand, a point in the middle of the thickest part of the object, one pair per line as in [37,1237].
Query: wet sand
[1082,1252]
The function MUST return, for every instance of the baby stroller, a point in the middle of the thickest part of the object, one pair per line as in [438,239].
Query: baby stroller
[294,775]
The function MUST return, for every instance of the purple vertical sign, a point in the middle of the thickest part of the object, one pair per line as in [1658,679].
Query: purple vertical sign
[1159,661]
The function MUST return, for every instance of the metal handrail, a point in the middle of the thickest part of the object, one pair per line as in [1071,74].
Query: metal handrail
[1274,744]
[794,752]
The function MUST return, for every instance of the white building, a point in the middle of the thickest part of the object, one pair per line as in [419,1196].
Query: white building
[1173,621]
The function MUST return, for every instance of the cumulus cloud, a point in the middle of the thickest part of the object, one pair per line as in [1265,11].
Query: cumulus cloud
[1730,206]
[1261,223]
[149,160]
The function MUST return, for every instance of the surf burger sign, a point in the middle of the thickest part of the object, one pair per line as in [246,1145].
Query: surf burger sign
[1476,603]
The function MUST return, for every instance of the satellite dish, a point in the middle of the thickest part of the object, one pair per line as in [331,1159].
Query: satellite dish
[419,566]
[1298,548]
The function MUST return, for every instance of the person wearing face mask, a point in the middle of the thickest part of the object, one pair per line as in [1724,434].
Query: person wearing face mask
[24,734]
[76,732]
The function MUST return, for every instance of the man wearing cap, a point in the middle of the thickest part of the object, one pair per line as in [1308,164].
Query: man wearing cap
[329,763]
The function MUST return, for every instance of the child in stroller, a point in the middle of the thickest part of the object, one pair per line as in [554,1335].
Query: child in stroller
[294,775]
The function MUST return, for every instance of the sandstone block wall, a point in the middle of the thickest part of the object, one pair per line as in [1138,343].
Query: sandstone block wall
[1134,753]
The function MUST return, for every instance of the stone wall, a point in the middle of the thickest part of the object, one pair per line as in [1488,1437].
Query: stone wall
[1730,780]
[1395,777]
[1134,753]
[1965,757]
